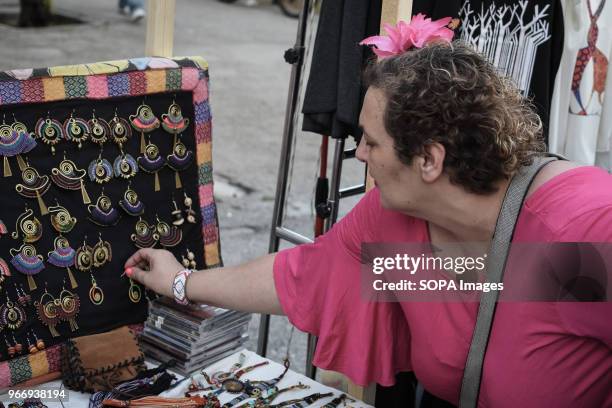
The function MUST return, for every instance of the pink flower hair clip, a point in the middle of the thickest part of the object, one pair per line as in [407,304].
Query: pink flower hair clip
[404,36]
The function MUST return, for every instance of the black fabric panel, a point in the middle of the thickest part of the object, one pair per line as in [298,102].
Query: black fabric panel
[117,309]
[334,93]
[400,395]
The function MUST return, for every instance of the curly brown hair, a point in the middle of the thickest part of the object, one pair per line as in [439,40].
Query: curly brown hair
[449,93]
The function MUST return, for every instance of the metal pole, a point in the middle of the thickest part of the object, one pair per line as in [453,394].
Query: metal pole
[283,168]
[334,184]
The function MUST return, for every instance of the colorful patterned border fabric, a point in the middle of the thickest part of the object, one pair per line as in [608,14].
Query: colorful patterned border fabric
[134,77]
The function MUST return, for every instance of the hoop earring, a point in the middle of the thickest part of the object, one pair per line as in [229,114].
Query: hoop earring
[151,162]
[48,312]
[30,227]
[99,129]
[70,305]
[100,170]
[102,253]
[27,261]
[168,236]
[120,129]
[63,256]
[34,186]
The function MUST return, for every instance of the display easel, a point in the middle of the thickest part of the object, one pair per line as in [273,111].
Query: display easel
[392,11]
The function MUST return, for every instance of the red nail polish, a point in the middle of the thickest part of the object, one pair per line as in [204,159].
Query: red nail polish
[129,271]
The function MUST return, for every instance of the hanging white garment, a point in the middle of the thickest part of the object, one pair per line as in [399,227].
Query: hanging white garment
[581,115]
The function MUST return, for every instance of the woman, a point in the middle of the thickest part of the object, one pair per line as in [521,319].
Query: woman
[443,134]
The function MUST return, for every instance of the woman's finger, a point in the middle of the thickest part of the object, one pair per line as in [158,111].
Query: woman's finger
[139,258]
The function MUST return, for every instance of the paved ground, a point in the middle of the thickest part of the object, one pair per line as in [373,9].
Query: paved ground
[244,45]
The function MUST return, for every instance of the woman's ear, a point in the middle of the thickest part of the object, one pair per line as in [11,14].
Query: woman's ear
[431,164]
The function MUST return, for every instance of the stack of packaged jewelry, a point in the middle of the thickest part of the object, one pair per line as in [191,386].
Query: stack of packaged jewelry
[195,336]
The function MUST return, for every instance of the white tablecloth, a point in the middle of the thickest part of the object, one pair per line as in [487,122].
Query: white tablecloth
[80,400]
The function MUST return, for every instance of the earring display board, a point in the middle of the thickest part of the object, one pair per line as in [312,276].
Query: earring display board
[97,160]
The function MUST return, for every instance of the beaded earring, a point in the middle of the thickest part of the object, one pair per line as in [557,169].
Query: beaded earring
[40,344]
[50,131]
[34,186]
[131,204]
[10,349]
[189,260]
[145,235]
[23,298]
[191,214]
[177,215]
[69,177]
[144,121]
[168,236]
[48,311]
[103,213]
[76,130]
[31,346]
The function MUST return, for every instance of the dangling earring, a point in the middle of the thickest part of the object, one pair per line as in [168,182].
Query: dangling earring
[31,346]
[34,186]
[84,257]
[168,236]
[23,298]
[48,312]
[99,129]
[49,131]
[189,261]
[63,256]
[40,345]
[191,215]
[76,130]
[103,213]
[61,220]
[173,121]
[69,177]
[125,166]
[102,253]
[29,226]
[10,349]
[120,130]
[100,170]
[131,204]
[96,295]
[14,141]
[151,162]
[3,229]
[177,215]
[180,159]
[12,315]
[4,271]
[26,140]
[144,121]
[145,235]
[70,305]
[18,345]
[134,292]
[26,261]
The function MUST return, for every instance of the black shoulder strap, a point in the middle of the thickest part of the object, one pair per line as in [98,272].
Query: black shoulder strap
[504,229]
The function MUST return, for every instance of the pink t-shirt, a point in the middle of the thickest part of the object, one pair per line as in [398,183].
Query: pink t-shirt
[539,354]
